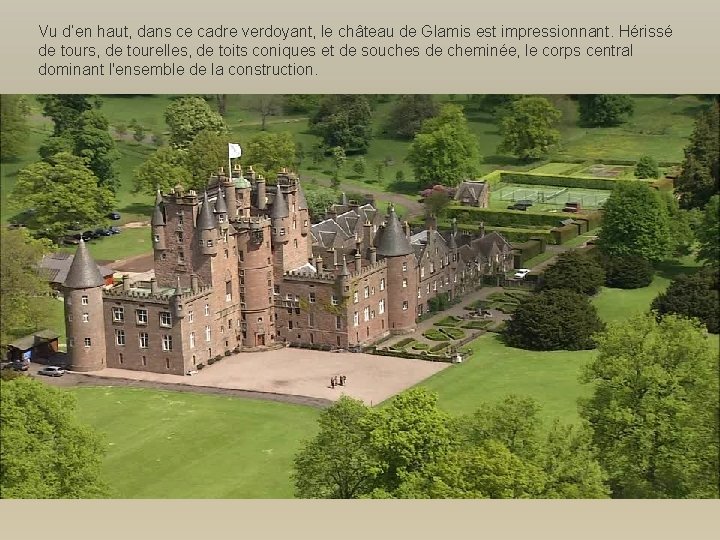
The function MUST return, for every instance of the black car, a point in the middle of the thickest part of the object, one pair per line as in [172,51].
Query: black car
[102,232]
[114,216]
[88,235]
[72,239]
[115,230]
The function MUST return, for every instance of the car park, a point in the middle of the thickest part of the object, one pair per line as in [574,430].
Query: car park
[521,273]
[52,371]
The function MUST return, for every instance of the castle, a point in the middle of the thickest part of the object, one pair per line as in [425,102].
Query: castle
[241,268]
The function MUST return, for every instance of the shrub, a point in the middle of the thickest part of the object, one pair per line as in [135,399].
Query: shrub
[237,349]
[552,320]
[403,342]
[200,366]
[564,234]
[452,333]
[505,218]
[420,346]
[439,346]
[575,271]
[627,272]
[647,167]
[450,320]
[560,180]
[435,335]
[477,325]
[693,296]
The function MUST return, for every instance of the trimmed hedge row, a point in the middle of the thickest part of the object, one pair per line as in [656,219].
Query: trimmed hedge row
[525,251]
[560,180]
[507,218]
[511,234]
[565,233]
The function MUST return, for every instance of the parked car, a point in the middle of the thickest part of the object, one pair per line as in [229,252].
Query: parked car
[521,273]
[115,230]
[20,366]
[102,232]
[114,216]
[52,371]
[88,235]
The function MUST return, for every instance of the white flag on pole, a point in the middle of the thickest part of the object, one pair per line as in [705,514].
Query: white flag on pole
[234,150]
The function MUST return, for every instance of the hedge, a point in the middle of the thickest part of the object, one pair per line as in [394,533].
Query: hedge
[564,233]
[447,321]
[506,218]
[527,250]
[435,335]
[560,180]
[403,343]
[452,333]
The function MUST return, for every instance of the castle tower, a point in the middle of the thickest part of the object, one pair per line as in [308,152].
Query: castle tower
[221,211]
[206,229]
[176,304]
[84,320]
[402,275]
[158,225]
[242,191]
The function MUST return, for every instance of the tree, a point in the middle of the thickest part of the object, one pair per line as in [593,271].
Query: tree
[408,114]
[20,282]
[337,463]
[301,103]
[552,320]
[682,238]
[14,129]
[65,109]
[207,152]
[62,193]
[654,409]
[93,143]
[344,120]
[139,133]
[627,271]
[188,116]
[319,199]
[708,233]
[635,222]
[693,296]
[339,158]
[528,129]
[436,203]
[379,171]
[602,110]
[647,167]
[574,271]
[359,166]
[270,152]
[265,105]
[163,170]
[445,150]
[699,179]
[46,453]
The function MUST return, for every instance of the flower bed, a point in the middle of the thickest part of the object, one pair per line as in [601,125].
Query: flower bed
[450,320]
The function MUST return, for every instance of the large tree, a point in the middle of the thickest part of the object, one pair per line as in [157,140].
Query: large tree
[695,296]
[654,408]
[20,283]
[553,319]
[602,110]
[708,233]
[270,152]
[408,114]
[636,222]
[62,193]
[627,271]
[163,170]
[207,152]
[14,129]
[574,271]
[65,109]
[699,179]
[45,452]
[528,129]
[188,116]
[344,120]
[445,151]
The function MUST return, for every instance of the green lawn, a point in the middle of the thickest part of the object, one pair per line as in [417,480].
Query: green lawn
[186,445]
[130,242]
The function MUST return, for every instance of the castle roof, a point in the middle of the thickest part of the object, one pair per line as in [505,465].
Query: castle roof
[280,206]
[157,218]
[301,200]
[206,219]
[392,241]
[83,273]
[344,268]
[242,183]
[220,206]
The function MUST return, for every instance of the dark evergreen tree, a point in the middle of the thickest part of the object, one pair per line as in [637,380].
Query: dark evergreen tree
[601,110]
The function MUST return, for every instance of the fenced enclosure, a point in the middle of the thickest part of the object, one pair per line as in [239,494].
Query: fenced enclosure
[549,196]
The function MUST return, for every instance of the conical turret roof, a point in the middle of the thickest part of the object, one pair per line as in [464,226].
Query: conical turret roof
[157,218]
[83,273]
[220,205]
[206,219]
[344,269]
[280,206]
[301,200]
[393,242]
[158,197]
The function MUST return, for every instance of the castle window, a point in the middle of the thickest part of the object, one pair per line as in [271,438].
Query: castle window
[311,320]
[207,309]
[282,231]
[338,322]
[382,284]
[165,319]
[260,320]
[191,316]
[163,256]
[381,306]
[207,333]
[120,337]
[422,272]
[305,223]
[192,340]
[418,292]
[405,305]
[221,218]
[404,283]
[84,301]
[144,340]
[290,325]
[311,297]
[372,291]
[181,257]
[295,243]
[334,300]
[294,225]
[367,292]
[228,291]
[141,316]
[118,314]
[276,289]
[88,342]
[372,314]
[86,317]
[144,360]
[455,279]
[180,236]
[167,363]
[404,267]
[209,243]
[356,319]
[180,218]
[356,298]
[366,314]
[69,317]
[241,254]
[167,342]
[226,254]
[427,289]
[432,267]
[434,285]
[71,342]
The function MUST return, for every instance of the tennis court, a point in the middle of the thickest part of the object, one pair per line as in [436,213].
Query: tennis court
[548,196]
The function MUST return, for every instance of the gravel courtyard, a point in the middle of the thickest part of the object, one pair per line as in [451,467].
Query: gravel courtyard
[301,372]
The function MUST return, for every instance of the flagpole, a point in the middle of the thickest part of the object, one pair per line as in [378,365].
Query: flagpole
[229,164]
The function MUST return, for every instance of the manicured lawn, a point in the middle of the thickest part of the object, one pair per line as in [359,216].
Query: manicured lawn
[186,445]
[130,242]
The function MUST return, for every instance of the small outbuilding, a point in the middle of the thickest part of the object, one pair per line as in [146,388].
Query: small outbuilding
[40,345]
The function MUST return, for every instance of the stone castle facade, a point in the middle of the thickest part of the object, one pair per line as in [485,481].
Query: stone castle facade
[241,268]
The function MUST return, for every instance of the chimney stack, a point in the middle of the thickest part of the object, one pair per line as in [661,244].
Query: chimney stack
[126,282]
[154,286]
[194,285]
[373,255]
[358,261]
[319,264]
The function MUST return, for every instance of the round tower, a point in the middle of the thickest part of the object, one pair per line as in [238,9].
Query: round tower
[279,214]
[176,304]
[303,212]
[207,229]
[158,224]
[402,275]
[84,318]
[221,211]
